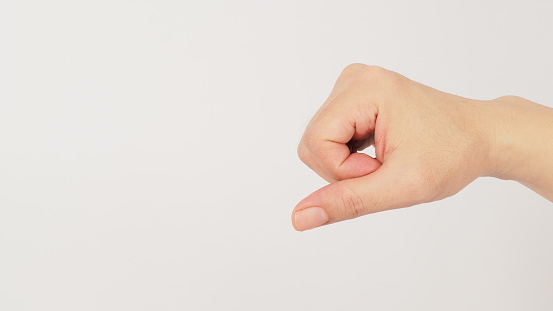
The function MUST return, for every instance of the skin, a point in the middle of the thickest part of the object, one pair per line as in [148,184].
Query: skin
[428,144]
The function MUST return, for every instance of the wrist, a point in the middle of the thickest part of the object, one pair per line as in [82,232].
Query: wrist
[485,151]
[500,123]
[516,133]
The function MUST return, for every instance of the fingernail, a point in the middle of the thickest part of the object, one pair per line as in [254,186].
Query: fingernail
[310,218]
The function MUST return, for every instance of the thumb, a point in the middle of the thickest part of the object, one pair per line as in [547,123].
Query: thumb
[381,190]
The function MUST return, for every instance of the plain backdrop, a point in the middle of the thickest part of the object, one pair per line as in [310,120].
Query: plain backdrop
[148,157]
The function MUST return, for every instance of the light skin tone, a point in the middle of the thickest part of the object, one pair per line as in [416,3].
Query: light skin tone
[428,145]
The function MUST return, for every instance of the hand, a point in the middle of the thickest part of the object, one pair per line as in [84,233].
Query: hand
[428,144]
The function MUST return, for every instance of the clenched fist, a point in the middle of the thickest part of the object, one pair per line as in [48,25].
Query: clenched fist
[428,144]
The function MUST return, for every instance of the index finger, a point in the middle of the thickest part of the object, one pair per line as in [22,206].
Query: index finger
[347,117]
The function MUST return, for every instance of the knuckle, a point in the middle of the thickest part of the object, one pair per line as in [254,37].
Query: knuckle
[302,152]
[377,70]
[380,76]
[374,72]
[355,67]
[309,143]
[511,98]
[352,204]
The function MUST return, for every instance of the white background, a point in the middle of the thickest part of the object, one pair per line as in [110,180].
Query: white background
[148,157]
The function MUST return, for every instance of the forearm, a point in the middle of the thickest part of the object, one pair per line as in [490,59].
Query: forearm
[521,136]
